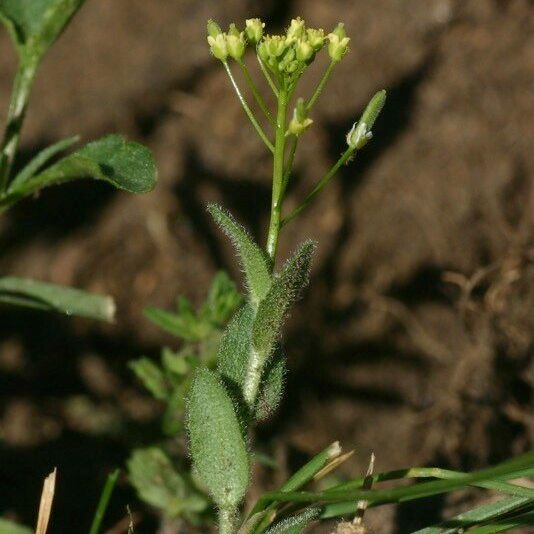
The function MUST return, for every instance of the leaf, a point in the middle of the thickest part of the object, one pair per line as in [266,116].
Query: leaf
[296,523]
[234,350]
[126,165]
[176,324]
[34,25]
[505,524]
[40,160]
[285,290]
[152,377]
[223,299]
[217,446]
[45,296]
[477,515]
[158,484]
[253,259]
[272,387]
[8,527]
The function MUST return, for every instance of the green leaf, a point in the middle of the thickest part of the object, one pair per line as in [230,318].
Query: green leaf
[296,523]
[285,290]
[271,387]
[158,484]
[45,296]
[235,348]
[34,25]
[254,262]
[217,445]
[249,526]
[152,377]
[477,515]
[8,527]
[223,299]
[185,326]
[503,525]
[40,160]
[126,165]
[104,501]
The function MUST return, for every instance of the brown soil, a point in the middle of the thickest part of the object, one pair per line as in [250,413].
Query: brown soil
[414,340]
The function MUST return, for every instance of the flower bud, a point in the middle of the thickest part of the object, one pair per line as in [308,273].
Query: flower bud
[254,30]
[359,135]
[296,29]
[315,38]
[304,50]
[275,45]
[213,28]
[339,43]
[236,45]
[218,46]
[300,121]
[232,30]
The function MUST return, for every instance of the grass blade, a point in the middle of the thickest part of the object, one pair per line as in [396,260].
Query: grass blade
[104,501]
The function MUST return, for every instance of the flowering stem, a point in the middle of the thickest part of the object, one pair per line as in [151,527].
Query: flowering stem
[290,160]
[259,99]
[320,186]
[278,175]
[267,76]
[248,111]
[321,86]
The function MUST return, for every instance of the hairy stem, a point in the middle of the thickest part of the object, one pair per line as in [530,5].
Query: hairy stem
[259,99]
[17,110]
[227,521]
[278,176]
[320,186]
[252,379]
[247,109]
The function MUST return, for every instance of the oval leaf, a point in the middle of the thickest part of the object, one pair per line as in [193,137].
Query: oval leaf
[126,165]
[217,446]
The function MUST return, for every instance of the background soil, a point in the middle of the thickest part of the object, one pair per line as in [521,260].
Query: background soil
[414,338]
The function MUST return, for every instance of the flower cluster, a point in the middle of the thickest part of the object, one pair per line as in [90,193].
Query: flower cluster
[286,55]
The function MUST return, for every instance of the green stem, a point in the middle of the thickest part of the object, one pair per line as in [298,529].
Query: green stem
[321,86]
[259,99]
[320,186]
[226,522]
[20,96]
[290,161]
[103,502]
[248,111]
[278,176]
[272,85]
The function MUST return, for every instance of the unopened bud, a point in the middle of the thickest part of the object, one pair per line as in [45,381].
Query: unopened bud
[218,46]
[254,30]
[213,28]
[315,38]
[359,135]
[300,121]
[296,29]
[304,50]
[236,45]
[338,43]
[232,30]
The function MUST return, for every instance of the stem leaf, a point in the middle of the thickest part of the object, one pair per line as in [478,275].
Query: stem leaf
[253,260]
[217,445]
[126,165]
[296,524]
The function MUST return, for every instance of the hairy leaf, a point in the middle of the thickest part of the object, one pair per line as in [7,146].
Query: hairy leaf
[34,25]
[159,484]
[296,523]
[217,445]
[285,290]
[254,262]
[45,296]
[234,350]
[126,165]
[271,387]
[223,299]
[180,325]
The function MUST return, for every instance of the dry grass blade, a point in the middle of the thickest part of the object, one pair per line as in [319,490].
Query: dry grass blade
[45,506]
[334,464]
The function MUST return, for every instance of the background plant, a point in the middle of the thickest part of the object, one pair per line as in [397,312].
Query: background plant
[224,404]
[34,26]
